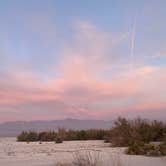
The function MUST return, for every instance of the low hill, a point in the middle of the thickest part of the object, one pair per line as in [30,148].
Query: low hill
[8,129]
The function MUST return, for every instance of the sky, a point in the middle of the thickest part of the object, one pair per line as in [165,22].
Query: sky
[84,59]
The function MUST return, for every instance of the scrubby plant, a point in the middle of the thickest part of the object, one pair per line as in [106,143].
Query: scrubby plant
[28,136]
[164,139]
[163,146]
[125,132]
[120,134]
[47,136]
[87,158]
[63,164]
[23,136]
[136,148]
[92,158]
[33,136]
[58,140]
[67,135]
[141,148]
[137,135]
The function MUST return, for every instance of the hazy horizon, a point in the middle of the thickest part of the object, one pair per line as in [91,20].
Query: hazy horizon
[79,119]
[82,59]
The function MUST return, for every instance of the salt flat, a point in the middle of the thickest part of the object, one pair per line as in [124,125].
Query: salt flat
[14,153]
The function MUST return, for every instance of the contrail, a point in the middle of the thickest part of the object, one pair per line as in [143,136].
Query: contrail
[133,34]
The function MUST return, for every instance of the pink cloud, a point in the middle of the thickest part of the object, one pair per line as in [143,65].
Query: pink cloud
[83,88]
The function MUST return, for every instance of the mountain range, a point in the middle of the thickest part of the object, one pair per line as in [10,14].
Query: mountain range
[9,129]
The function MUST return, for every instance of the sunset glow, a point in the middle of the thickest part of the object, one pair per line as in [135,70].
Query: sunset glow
[82,59]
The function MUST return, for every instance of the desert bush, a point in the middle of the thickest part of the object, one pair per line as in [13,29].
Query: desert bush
[164,139]
[136,148]
[28,136]
[123,133]
[158,130]
[120,134]
[137,134]
[47,136]
[58,140]
[23,136]
[61,133]
[141,148]
[63,164]
[87,158]
[162,147]
[126,132]
[91,134]
[33,136]
[92,158]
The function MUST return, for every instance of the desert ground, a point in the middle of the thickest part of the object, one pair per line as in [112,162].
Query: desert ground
[13,153]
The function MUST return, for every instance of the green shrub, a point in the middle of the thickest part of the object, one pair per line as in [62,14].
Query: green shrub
[120,134]
[125,132]
[136,148]
[28,136]
[47,136]
[23,136]
[163,149]
[91,134]
[140,148]
[58,140]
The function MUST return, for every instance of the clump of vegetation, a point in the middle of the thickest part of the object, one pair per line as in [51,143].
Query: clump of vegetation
[137,135]
[58,140]
[91,134]
[126,132]
[163,146]
[92,158]
[66,135]
[136,148]
[87,158]
[63,164]
[120,134]
[141,148]
[28,136]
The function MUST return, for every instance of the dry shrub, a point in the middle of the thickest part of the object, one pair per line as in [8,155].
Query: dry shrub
[58,140]
[87,158]
[116,160]
[91,158]
[95,159]
[84,158]
[140,148]
[126,132]
[63,164]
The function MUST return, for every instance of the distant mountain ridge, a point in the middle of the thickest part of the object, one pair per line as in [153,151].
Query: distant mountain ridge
[8,129]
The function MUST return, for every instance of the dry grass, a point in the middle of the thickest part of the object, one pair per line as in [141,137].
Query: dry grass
[91,158]
[63,164]
[9,150]
[87,158]
[116,160]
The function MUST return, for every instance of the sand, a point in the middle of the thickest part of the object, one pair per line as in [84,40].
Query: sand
[14,153]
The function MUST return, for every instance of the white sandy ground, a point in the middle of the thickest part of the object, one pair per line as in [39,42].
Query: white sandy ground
[14,153]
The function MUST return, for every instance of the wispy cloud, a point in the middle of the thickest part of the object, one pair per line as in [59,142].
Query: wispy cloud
[87,84]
